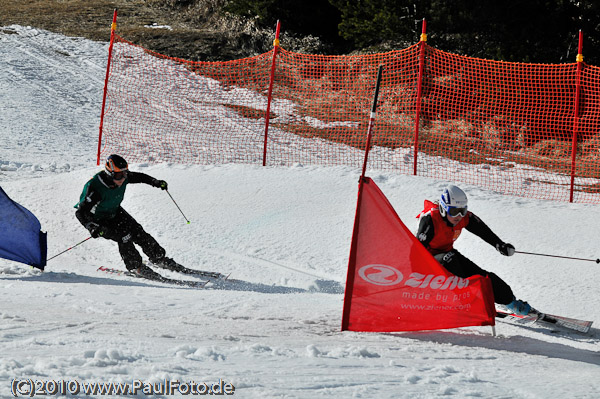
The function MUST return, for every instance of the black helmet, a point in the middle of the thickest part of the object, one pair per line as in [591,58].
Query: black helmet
[116,166]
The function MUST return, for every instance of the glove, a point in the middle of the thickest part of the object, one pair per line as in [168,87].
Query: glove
[95,229]
[505,249]
[160,184]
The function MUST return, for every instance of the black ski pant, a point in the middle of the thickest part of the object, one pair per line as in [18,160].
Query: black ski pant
[459,265]
[126,231]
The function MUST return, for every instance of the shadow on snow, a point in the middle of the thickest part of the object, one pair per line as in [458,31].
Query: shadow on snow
[516,344]
[323,286]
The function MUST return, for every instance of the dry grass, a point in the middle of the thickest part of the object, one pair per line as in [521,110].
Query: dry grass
[200,31]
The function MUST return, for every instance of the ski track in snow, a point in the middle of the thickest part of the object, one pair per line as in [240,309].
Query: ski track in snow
[284,234]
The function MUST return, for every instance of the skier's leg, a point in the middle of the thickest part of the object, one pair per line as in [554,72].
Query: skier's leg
[133,261]
[459,265]
[139,236]
[118,230]
[130,255]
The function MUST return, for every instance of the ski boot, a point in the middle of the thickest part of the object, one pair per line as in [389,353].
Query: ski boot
[167,263]
[145,272]
[518,307]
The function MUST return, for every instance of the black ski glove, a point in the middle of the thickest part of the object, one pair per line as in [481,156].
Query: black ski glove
[96,230]
[505,249]
[160,184]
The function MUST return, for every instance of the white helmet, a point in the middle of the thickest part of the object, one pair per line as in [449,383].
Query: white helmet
[453,201]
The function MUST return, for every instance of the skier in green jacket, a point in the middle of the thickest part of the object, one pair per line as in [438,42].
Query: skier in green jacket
[99,210]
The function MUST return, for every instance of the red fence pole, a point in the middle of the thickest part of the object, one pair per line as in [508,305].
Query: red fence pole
[419,85]
[270,95]
[576,113]
[113,27]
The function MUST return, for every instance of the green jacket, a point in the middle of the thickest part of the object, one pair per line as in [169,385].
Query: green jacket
[101,198]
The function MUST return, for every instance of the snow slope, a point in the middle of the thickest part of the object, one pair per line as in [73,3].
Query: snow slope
[284,233]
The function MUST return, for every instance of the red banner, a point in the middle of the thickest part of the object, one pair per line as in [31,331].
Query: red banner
[395,284]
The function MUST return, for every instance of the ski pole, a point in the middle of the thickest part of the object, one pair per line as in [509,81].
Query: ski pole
[557,256]
[186,219]
[68,249]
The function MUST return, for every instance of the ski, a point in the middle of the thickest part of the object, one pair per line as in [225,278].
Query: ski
[523,320]
[582,326]
[193,272]
[160,279]
[535,316]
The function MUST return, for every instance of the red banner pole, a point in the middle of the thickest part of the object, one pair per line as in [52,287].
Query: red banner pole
[270,95]
[419,86]
[352,261]
[353,245]
[576,113]
[113,27]
[371,120]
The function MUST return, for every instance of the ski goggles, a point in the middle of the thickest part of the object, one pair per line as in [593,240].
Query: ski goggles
[119,175]
[455,211]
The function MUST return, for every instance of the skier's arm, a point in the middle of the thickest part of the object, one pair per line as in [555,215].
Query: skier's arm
[84,209]
[139,177]
[480,229]
[425,232]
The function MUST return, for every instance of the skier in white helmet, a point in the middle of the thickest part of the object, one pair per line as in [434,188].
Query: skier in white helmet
[441,224]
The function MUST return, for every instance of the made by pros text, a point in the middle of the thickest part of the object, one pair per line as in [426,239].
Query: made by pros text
[385,275]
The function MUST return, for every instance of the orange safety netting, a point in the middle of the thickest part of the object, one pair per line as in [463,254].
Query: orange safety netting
[502,126]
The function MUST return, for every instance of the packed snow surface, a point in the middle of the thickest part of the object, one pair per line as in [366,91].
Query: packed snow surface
[284,235]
